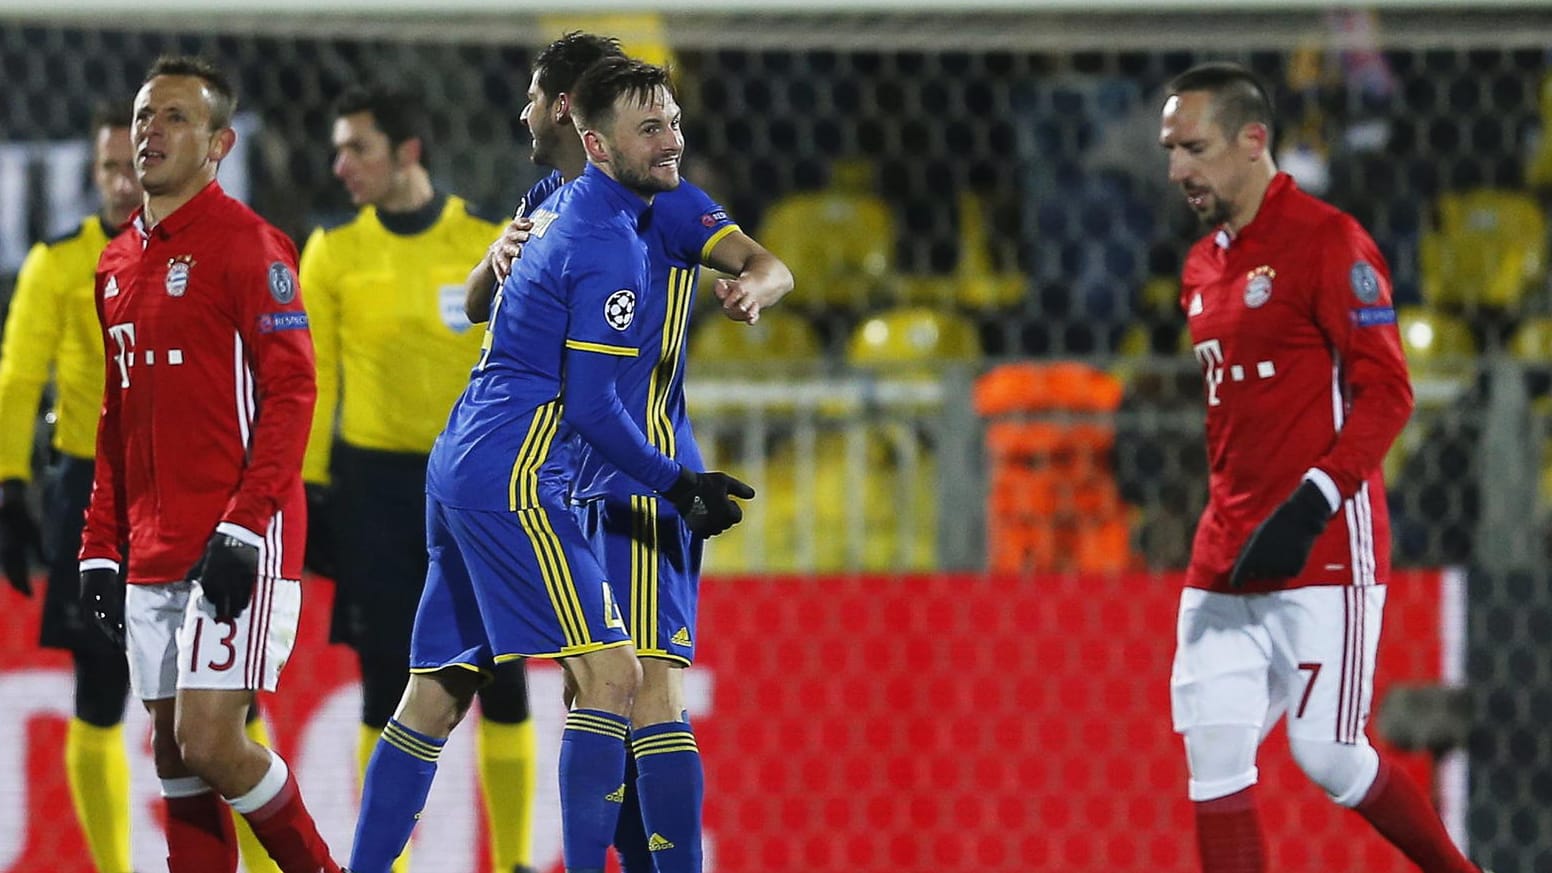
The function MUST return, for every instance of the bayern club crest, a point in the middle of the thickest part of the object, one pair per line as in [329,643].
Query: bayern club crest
[178,275]
[1258,286]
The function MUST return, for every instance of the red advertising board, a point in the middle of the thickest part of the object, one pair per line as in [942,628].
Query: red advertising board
[871,724]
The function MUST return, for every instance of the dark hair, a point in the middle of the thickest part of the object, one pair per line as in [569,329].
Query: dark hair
[397,113]
[593,98]
[1238,96]
[112,113]
[223,97]
[563,61]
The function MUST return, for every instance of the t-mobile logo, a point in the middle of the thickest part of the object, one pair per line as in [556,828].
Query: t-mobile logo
[1210,355]
[124,337]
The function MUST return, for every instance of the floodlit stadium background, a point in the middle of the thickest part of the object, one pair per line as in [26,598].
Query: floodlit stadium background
[941,640]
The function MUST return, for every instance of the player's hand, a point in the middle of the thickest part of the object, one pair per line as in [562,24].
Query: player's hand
[705,501]
[509,247]
[1280,546]
[321,556]
[102,598]
[226,574]
[20,538]
[738,303]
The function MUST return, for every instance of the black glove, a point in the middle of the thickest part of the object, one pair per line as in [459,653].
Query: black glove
[320,557]
[19,535]
[1278,548]
[704,501]
[226,573]
[102,598]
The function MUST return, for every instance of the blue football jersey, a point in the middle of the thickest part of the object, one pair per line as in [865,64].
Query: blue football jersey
[686,224]
[564,328]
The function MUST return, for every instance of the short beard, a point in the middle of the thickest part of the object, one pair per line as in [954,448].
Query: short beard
[643,183]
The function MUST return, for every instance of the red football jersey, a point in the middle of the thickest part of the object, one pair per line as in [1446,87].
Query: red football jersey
[209,393]
[1293,324]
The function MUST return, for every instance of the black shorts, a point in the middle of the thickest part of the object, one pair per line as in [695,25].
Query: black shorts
[67,489]
[379,508]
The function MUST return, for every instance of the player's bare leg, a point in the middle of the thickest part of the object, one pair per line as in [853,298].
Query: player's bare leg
[212,746]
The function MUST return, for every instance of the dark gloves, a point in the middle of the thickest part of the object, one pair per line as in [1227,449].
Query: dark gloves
[102,599]
[1278,548]
[320,557]
[19,535]
[704,501]
[226,573]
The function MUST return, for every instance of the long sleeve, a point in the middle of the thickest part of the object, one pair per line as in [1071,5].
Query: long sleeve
[593,407]
[323,305]
[107,522]
[33,331]
[273,326]
[1355,310]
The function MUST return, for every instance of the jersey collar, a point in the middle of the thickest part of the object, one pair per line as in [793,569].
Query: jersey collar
[183,216]
[1281,184]
[415,221]
[620,197]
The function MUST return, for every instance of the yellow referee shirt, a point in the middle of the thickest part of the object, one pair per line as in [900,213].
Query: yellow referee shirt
[393,345]
[52,330]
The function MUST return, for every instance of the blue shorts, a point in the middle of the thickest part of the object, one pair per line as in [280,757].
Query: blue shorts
[504,585]
[654,564]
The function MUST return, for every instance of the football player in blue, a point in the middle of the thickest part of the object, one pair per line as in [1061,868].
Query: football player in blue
[512,574]
[648,552]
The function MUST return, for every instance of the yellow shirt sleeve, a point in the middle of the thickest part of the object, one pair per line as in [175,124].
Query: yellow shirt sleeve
[31,343]
[320,291]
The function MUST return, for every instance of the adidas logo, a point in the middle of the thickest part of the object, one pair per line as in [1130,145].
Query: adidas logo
[656,843]
[617,795]
[681,637]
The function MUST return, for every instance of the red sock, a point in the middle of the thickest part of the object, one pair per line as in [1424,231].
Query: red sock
[288,833]
[200,835]
[1228,834]
[1400,812]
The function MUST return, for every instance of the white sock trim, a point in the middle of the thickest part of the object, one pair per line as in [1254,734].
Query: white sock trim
[1200,791]
[269,786]
[187,786]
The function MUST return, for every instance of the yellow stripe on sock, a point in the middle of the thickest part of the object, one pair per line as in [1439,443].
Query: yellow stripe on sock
[509,778]
[583,721]
[678,741]
[406,742]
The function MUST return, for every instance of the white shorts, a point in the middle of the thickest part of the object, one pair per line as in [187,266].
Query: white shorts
[1245,659]
[174,640]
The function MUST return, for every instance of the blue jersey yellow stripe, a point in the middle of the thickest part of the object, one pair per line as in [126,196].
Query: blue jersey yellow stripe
[558,580]
[644,572]
[622,351]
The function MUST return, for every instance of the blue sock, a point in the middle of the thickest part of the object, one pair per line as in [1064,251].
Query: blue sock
[393,792]
[671,783]
[630,835]
[592,785]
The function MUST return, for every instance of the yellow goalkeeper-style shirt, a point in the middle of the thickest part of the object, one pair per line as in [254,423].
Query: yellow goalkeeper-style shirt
[52,330]
[393,345]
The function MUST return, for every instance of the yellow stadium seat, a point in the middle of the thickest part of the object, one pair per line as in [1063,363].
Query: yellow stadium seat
[810,517]
[1487,251]
[1441,357]
[1539,173]
[780,337]
[1532,340]
[838,241]
[974,284]
[913,335]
